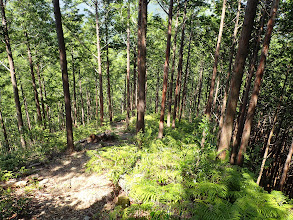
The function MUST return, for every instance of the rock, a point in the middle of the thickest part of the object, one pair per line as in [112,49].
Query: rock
[123,201]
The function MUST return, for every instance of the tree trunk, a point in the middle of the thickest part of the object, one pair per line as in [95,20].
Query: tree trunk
[286,167]
[186,78]
[134,84]
[74,90]
[37,102]
[12,73]
[81,101]
[25,106]
[63,64]
[6,143]
[172,72]
[240,121]
[257,83]
[199,90]
[217,54]
[177,90]
[108,71]
[99,65]
[237,77]
[128,65]
[166,69]
[265,156]
[141,46]
[41,95]
[157,92]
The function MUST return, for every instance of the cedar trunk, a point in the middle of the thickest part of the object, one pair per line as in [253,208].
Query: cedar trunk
[237,77]
[286,167]
[128,66]
[258,79]
[166,69]
[63,64]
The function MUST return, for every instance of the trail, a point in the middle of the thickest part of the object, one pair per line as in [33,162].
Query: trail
[64,190]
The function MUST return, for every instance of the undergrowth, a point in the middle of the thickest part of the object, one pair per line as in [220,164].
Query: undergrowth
[174,178]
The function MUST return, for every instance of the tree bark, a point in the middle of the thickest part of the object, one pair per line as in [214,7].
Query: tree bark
[142,27]
[166,69]
[172,72]
[63,64]
[74,90]
[134,104]
[81,101]
[257,83]
[108,70]
[6,143]
[240,121]
[157,92]
[177,90]
[286,167]
[99,65]
[41,95]
[12,74]
[237,77]
[36,96]
[265,156]
[217,55]
[128,65]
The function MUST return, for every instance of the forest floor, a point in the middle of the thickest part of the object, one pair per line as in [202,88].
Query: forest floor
[63,189]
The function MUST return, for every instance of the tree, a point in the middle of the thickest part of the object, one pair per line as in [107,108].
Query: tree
[166,69]
[63,64]
[141,64]
[240,58]
[128,65]
[12,74]
[258,78]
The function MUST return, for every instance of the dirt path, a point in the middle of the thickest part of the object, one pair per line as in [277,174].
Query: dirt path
[63,190]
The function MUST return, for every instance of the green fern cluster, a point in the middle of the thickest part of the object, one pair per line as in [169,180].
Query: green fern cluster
[174,178]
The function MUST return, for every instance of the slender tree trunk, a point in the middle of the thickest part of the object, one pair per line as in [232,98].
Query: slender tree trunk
[142,27]
[217,54]
[257,84]
[128,65]
[81,101]
[240,121]
[99,65]
[37,102]
[265,156]
[166,69]
[74,90]
[63,64]
[88,102]
[41,95]
[108,70]
[12,73]
[200,88]
[97,98]
[172,72]
[157,92]
[186,78]
[134,84]
[177,91]
[6,143]
[286,167]
[237,77]
[225,97]
[25,106]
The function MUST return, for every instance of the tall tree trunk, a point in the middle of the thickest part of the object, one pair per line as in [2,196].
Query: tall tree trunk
[108,70]
[99,65]
[41,95]
[217,55]
[225,97]
[199,90]
[265,156]
[12,73]
[81,101]
[157,92]
[128,65]
[240,121]
[97,97]
[142,27]
[286,167]
[166,69]
[237,77]
[25,105]
[37,102]
[63,64]
[88,102]
[186,78]
[6,143]
[172,72]
[134,84]
[74,89]
[177,90]
[259,74]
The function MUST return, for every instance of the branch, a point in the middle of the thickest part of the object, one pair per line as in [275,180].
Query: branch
[162,7]
[4,66]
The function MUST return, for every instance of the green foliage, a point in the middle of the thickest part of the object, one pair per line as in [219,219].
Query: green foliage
[174,178]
